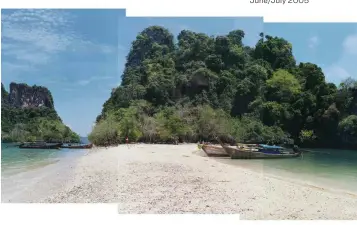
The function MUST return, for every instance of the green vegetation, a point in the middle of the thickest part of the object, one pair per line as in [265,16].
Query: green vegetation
[32,123]
[202,86]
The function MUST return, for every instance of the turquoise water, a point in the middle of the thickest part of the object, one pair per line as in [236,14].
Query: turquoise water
[336,169]
[15,160]
[332,168]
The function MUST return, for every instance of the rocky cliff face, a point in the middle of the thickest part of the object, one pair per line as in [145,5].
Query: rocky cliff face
[28,114]
[4,95]
[24,96]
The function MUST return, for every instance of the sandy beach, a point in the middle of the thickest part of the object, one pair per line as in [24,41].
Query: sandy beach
[145,178]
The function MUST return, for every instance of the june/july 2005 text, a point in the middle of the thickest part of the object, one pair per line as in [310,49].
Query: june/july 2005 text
[280,1]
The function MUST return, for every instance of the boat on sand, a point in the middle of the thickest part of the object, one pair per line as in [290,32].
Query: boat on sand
[259,152]
[214,151]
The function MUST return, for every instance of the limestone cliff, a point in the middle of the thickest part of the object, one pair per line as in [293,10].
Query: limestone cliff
[28,113]
[4,95]
[24,96]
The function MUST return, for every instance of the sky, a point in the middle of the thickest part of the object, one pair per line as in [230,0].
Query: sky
[79,55]
[74,53]
[332,46]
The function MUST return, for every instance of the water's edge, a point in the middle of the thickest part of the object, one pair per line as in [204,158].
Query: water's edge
[28,176]
[47,179]
[328,173]
[289,177]
[39,183]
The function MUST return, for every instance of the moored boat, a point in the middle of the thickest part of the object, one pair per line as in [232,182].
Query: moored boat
[40,145]
[214,150]
[260,152]
[77,146]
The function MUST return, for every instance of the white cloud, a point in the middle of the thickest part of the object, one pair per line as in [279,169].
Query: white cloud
[336,72]
[314,42]
[13,67]
[346,65]
[350,44]
[92,79]
[36,36]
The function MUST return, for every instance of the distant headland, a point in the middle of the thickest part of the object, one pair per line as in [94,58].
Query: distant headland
[28,114]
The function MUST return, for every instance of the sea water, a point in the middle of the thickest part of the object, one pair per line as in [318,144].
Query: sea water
[332,168]
[15,160]
[31,174]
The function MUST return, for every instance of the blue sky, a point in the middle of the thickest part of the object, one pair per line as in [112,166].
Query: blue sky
[80,54]
[74,53]
[332,46]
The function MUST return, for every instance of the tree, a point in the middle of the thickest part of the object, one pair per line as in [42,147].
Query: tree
[276,51]
[149,128]
[307,136]
[348,130]
[211,123]
[32,123]
[215,85]
[106,132]
[19,133]
[283,86]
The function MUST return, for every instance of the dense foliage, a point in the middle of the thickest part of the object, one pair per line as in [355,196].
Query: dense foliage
[32,124]
[205,86]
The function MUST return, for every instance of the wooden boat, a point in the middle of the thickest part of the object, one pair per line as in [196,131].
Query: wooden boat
[76,146]
[40,145]
[214,151]
[259,152]
[236,153]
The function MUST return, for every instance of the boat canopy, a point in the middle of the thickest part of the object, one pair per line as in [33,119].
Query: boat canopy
[271,147]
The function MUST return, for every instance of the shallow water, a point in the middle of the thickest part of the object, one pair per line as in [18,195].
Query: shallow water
[15,160]
[336,169]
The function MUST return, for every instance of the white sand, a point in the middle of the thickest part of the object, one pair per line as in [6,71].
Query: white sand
[180,179]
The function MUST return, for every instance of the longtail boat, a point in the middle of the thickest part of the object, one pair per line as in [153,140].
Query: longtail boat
[76,146]
[260,152]
[40,145]
[214,150]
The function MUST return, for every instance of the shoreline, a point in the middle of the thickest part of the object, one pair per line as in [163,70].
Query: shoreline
[45,178]
[315,185]
[283,175]
[149,178]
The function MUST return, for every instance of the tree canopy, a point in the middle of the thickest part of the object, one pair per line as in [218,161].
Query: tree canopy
[32,123]
[200,85]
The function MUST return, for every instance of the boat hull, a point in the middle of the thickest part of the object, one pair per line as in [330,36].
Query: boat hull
[235,153]
[46,146]
[78,146]
[214,151]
